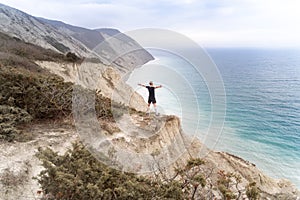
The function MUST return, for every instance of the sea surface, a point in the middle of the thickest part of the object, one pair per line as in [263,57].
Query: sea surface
[262,90]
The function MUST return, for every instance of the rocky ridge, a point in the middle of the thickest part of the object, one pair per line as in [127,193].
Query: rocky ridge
[109,44]
[29,29]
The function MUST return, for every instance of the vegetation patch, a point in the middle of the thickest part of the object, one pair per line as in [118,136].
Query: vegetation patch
[78,175]
[11,180]
[59,46]
[17,53]
[26,96]
[10,117]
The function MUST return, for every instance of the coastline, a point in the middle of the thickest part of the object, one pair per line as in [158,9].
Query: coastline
[234,163]
[253,129]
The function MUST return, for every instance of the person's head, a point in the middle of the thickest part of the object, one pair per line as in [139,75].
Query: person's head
[151,83]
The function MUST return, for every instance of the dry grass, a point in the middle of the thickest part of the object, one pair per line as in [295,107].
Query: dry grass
[11,180]
[17,53]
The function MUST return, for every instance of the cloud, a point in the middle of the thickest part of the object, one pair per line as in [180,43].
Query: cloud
[210,22]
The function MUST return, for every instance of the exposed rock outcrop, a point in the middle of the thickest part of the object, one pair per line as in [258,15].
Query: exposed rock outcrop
[102,78]
[162,141]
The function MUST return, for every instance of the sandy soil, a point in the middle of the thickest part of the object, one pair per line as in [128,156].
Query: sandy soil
[19,164]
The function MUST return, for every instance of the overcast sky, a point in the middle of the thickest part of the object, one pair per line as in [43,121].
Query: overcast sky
[211,23]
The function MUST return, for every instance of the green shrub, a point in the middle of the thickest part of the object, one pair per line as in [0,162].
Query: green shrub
[225,181]
[25,51]
[72,57]
[78,175]
[59,46]
[252,191]
[42,97]
[192,178]
[10,118]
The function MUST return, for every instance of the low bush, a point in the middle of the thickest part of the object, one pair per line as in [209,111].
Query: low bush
[42,96]
[252,191]
[39,97]
[78,175]
[10,117]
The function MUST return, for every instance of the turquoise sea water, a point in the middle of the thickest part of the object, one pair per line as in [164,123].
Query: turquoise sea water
[262,121]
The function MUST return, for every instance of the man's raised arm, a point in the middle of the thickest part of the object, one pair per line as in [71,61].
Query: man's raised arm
[158,86]
[142,85]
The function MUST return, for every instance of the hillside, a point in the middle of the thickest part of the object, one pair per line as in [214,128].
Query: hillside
[29,29]
[16,52]
[112,46]
[90,38]
[63,38]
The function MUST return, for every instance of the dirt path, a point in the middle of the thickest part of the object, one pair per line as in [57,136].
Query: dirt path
[18,162]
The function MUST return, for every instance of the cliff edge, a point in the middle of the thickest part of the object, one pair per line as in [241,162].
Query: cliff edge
[159,142]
